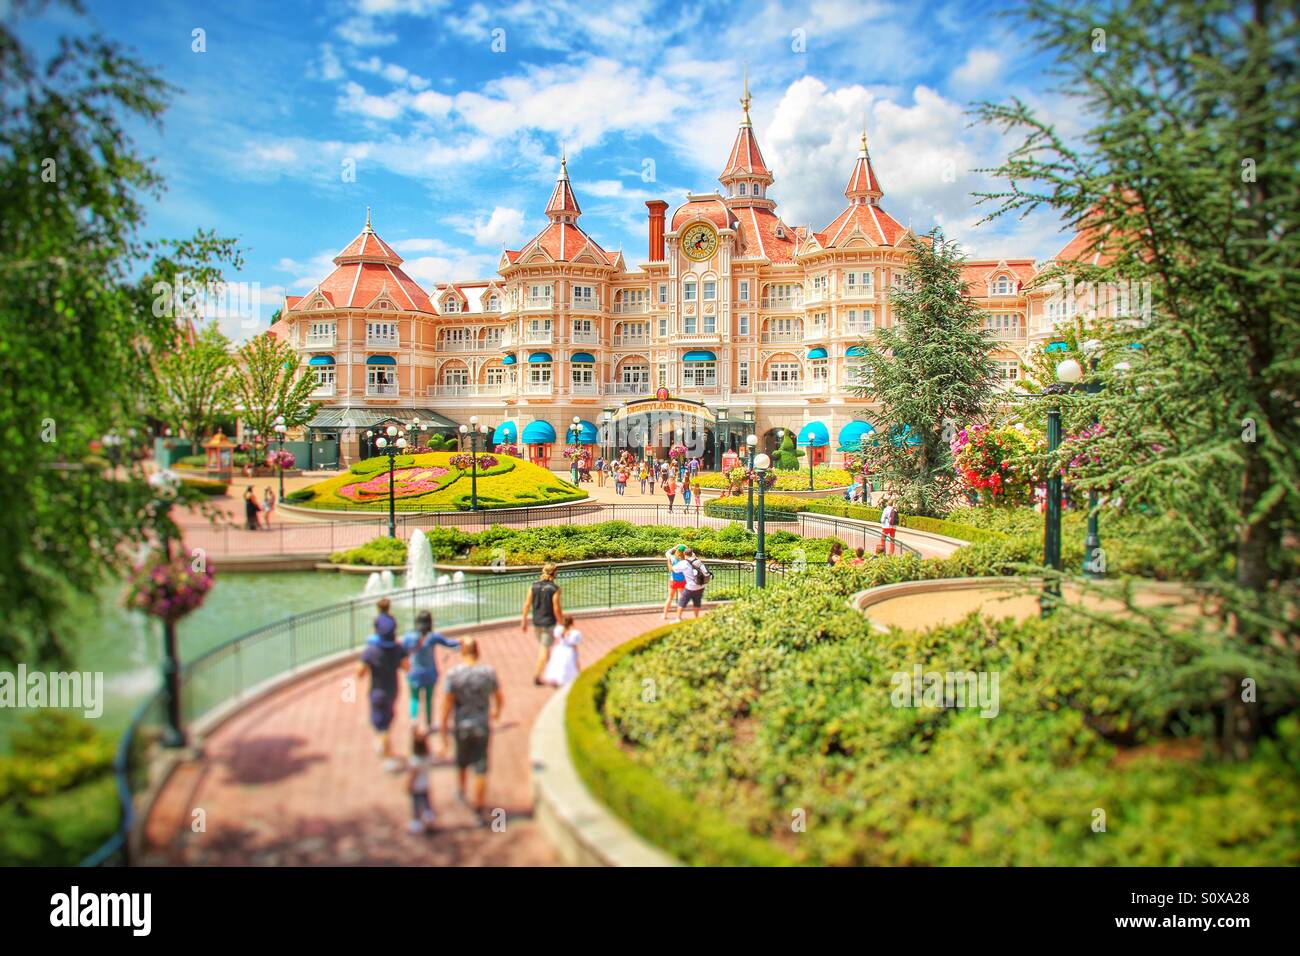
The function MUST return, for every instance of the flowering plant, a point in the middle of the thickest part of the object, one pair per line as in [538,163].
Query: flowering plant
[999,464]
[168,589]
[407,483]
[279,459]
[465,462]
[511,450]
[676,452]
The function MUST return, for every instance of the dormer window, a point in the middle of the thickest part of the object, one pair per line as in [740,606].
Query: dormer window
[780,232]
[742,189]
[451,304]
[1002,286]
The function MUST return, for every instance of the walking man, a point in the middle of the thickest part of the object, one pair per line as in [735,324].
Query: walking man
[542,604]
[382,658]
[471,701]
[696,576]
[888,525]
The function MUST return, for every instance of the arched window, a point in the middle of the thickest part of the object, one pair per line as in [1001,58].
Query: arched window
[1002,286]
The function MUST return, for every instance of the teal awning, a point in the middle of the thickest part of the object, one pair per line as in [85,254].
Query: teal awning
[856,350]
[814,434]
[586,357]
[817,353]
[1056,347]
[588,433]
[699,355]
[381,360]
[321,360]
[509,360]
[539,433]
[540,357]
[507,433]
[851,435]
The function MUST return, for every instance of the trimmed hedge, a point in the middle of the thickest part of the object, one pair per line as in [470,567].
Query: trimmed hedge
[666,818]
[786,508]
[208,486]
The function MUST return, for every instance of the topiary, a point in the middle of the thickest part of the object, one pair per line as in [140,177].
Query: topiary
[787,456]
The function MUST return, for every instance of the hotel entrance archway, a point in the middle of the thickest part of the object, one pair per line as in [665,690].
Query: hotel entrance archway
[654,426]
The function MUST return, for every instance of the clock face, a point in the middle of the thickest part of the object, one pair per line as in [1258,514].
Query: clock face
[699,241]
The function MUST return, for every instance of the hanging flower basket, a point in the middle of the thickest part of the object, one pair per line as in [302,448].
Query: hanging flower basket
[168,590]
[280,459]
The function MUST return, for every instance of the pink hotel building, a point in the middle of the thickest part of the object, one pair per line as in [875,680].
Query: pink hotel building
[750,324]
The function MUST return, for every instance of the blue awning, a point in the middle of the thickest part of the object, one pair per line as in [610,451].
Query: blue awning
[699,355]
[321,360]
[582,357]
[856,350]
[381,360]
[509,360]
[507,433]
[851,435]
[815,434]
[539,433]
[817,353]
[540,357]
[1056,347]
[588,433]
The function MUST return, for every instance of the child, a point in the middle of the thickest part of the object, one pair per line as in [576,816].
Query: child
[686,491]
[385,623]
[417,783]
[422,679]
[644,475]
[562,668]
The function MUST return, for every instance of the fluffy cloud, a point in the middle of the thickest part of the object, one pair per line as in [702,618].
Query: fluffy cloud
[504,227]
[979,69]
[392,105]
[398,75]
[361,31]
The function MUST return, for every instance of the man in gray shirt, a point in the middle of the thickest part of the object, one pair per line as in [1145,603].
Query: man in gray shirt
[471,700]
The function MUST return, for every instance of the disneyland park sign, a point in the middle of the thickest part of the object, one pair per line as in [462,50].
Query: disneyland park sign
[663,406]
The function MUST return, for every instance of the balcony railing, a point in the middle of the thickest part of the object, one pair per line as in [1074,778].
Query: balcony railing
[509,339]
[814,333]
[768,386]
[858,292]
[538,388]
[376,341]
[784,335]
[632,388]
[467,391]
[584,388]
[698,338]
[583,305]
[816,386]
[544,303]
[782,304]
[459,345]
[630,308]
[318,339]
[1014,334]
[710,389]
[323,391]
[859,328]
[387,390]
[817,295]
[585,338]
[539,336]
[625,341]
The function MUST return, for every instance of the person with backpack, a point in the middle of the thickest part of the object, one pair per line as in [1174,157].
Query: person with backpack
[422,679]
[696,576]
[670,492]
[888,525]
[542,604]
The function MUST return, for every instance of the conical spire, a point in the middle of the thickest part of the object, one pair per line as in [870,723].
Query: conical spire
[746,160]
[863,186]
[368,247]
[563,205]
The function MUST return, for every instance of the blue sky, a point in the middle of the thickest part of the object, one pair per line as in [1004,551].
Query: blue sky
[453,115]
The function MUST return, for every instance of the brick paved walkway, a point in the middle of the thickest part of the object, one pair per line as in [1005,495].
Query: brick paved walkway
[294,780]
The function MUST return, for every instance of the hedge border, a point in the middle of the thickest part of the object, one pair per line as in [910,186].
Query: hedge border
[697,835]
[836,509]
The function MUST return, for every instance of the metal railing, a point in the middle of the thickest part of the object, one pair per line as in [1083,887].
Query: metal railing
[240,667]
[854,532]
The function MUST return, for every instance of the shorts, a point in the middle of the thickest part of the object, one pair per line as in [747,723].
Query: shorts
[545,634]
[472,749]
[420,804]
[381,709]
[676,585]
[689,597]
[888,531]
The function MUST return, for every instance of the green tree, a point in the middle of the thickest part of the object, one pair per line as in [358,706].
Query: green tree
[194,384]
[269,383]
[1187,182]
[787,455]
[930,372]
[73,334]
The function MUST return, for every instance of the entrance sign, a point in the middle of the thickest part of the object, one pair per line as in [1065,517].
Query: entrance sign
[673,407]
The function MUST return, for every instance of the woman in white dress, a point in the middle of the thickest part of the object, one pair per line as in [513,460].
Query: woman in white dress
[562,666]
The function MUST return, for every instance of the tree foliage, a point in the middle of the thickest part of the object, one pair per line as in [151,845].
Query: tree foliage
[929,371]
[270,383]
[194,384]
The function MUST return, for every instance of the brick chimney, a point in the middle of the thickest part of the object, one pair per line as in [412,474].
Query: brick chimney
[657,209]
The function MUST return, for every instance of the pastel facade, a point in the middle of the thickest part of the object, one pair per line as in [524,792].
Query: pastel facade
[753,318]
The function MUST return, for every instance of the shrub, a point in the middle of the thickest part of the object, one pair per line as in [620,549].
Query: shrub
[302,494]
[379,552]
[208,486]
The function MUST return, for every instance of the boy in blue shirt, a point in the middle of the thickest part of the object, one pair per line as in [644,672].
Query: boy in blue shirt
[422,679]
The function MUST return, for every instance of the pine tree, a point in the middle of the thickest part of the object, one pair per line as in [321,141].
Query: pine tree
[931,372]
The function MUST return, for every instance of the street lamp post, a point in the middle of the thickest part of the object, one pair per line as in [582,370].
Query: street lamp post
[751,441]
[575,432]
[761,464]
[721,437]
[810,463]
[279,459]
[473,433]
[392,448]
[608,419]
[165,484]
[1093,563]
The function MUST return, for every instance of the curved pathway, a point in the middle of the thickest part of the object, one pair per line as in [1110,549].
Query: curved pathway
[294,780]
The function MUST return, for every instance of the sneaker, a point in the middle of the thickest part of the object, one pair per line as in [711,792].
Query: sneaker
[394,765]
[415,826]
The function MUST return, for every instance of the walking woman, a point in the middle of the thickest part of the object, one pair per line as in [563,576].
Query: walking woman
[686,492]
[670,489]
[268,499]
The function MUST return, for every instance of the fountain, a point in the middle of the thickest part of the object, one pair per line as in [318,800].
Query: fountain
[373,584]
[419,561]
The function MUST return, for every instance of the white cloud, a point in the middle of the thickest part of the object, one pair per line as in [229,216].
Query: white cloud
[306,274]
[393,72]
[503,227]
[980,68]
[330,68]
[361,31]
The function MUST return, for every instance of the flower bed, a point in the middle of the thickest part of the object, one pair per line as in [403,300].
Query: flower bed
[824,479]
[439,481]
[783,704]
